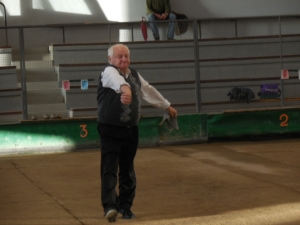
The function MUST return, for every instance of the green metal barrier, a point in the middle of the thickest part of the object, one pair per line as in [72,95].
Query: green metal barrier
[237,124]
[74,134]
[51,135]
[71,134]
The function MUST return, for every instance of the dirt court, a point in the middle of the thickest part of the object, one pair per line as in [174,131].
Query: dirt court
[232,183]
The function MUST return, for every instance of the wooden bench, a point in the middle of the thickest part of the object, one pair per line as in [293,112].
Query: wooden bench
[146,111]
[224,63]
[10,99]
[10,104]
[8,77]
[209,48]
[12,116]
[77,98]
[10,95]
[77,72]
[78,53]
[213,91]
[220,58]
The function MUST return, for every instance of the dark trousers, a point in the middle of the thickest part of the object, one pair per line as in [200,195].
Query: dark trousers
[118,150]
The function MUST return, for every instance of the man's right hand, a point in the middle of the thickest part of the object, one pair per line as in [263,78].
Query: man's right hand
[126,96]
[164,16]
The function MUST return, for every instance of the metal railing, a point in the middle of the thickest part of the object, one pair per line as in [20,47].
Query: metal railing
[210,59]
[5,23]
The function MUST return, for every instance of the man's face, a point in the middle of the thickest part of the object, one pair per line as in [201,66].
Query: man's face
[121,58]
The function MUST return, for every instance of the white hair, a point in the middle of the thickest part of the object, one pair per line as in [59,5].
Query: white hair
[111,49]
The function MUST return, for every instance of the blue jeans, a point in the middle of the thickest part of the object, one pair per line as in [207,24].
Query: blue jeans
[170,34]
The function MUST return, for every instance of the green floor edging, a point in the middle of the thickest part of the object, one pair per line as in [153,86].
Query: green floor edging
[237,124]
[60,135]
[31,136]
[47,134]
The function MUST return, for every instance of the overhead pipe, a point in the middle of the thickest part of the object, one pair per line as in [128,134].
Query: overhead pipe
[5,22]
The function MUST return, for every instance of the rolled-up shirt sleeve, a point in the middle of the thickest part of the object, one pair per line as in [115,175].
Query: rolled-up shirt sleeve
[111,78]
[152,96]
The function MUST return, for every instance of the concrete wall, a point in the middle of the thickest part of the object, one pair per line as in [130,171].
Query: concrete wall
[37,12]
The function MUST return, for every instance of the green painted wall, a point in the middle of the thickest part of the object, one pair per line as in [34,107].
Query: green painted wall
[43,135]
[71,134]
[237,124]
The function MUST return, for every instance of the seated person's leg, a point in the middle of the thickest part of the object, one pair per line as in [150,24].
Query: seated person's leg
[171,28]
[153,26]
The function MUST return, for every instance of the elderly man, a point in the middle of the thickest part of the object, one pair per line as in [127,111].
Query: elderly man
[160,10]
[119,94]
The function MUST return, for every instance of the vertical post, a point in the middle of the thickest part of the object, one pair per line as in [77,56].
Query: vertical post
[109,32]
[23,74]
[63,32]
[5,23]
[132,34]
[197,66]
[200,33]
[235,27]
[281,62]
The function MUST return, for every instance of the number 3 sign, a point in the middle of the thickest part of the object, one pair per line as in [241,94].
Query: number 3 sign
[83,132]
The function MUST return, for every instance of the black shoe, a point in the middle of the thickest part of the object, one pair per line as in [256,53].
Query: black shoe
[171,39]
[157,39]
[111,215]
[127,214]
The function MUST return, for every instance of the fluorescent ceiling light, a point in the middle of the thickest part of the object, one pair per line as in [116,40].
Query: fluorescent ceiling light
[37,4]
[13,7]
[70,6]
[115,10]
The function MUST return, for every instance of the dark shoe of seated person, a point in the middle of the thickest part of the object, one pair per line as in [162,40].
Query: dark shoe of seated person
[127,214]
[111,215]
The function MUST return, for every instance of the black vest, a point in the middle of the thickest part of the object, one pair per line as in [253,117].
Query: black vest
[111,110]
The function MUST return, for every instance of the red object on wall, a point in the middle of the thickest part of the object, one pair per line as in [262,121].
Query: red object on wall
[144,28]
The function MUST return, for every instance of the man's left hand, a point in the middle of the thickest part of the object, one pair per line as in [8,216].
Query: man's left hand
[172,112]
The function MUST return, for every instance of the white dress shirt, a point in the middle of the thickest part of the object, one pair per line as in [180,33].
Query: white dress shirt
[111,78]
